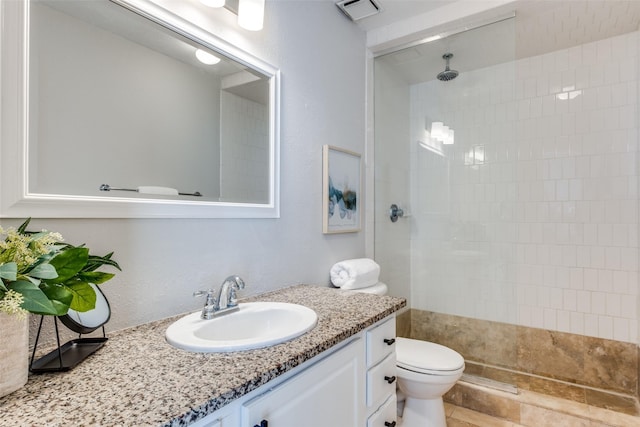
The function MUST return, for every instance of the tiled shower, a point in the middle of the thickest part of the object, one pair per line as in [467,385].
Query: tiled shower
[529,220]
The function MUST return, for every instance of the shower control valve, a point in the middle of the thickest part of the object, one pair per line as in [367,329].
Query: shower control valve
[395,212]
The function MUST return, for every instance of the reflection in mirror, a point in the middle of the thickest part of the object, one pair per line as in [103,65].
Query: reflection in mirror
[135,112]
[116,98]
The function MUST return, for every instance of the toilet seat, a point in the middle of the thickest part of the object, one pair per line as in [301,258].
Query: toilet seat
[427,358]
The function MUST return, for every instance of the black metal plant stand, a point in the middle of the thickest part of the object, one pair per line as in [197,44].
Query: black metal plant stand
[66,356]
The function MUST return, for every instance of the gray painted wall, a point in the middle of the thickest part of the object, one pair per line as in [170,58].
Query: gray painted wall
[321,55]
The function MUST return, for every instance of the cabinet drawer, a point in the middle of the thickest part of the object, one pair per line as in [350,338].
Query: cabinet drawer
[205,422]
[381,381]
[386,416]
[328,393]
[381,341]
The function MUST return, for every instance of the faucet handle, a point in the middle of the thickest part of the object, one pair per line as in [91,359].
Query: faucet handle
[207,293]
[233,297]
[236,283]
[209,305]
[211,300]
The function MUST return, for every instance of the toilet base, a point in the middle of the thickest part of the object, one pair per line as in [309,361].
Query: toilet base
[423,413]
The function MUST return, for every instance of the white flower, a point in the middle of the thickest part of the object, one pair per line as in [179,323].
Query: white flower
[11,303]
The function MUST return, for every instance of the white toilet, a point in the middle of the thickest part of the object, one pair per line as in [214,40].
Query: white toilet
[425,371]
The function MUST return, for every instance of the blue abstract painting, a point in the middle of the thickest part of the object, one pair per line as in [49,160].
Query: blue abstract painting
[342,190]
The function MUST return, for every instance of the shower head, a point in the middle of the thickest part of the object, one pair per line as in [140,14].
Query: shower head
[447,74]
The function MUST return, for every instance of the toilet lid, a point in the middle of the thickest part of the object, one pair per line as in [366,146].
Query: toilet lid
[424,356]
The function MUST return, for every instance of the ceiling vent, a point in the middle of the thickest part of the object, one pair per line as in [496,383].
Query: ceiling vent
[358,9]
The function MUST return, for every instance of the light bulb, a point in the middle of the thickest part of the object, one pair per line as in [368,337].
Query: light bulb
[212,3]
[251,14]
[206,58]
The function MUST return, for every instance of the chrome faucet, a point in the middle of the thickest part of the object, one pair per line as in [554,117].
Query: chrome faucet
[227,298]
[225,302]
[208,312]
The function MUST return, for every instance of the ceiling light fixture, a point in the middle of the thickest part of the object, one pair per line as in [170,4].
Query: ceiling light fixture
[206,57]
[213,3]
[251,14]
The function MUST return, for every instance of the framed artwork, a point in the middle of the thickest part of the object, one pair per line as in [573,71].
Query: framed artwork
[341,190]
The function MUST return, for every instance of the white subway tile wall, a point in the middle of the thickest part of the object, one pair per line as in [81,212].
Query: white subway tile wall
[531,217]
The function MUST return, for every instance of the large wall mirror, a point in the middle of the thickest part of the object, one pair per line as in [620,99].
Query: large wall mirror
[118,108]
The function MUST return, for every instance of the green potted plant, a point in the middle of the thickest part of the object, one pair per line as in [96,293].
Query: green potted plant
[41,274]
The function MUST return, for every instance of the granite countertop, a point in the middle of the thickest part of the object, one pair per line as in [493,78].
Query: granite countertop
[139,379]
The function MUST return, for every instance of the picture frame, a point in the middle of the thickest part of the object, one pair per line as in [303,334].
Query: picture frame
[341,190]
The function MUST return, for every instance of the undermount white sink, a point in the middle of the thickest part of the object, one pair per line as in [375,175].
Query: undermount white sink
[254,325]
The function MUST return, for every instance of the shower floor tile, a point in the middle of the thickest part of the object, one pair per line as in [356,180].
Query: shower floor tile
[546,386]
[478,406]
[463,417]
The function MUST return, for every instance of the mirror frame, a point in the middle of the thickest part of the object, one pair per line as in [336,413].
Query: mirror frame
[16,201]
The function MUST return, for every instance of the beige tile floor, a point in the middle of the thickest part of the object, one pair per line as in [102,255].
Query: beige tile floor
[462,417]
[542,411]
[496,408]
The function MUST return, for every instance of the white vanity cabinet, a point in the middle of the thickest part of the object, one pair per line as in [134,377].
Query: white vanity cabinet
[381,374]
[327,394]
[349,386]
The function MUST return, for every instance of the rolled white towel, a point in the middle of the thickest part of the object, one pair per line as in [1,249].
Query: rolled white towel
[355,273]
[150,189]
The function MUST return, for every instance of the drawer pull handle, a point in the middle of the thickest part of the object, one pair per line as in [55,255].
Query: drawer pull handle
[265,423]
[390,424]
[390,380]
[389,341]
